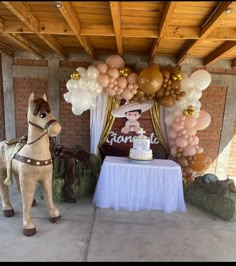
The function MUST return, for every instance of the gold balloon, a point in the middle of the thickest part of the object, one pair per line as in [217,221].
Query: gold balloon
[150,79]
[201,162]
[189,111]
[124,72]
[177,76]
[75,75]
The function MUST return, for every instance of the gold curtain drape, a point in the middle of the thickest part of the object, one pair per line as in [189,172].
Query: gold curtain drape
[155,117]
[112,103]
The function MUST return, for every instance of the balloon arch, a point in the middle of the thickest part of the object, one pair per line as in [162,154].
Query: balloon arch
[174,90]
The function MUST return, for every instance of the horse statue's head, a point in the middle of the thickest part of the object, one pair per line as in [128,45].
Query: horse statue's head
[39,115]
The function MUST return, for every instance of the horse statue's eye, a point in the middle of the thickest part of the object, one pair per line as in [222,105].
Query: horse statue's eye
[42,115]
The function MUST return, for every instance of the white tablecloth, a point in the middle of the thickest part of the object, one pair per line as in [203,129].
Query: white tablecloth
[125,184]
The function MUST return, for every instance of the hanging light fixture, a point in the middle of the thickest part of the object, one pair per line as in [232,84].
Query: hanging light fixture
[58,4]
[228,10]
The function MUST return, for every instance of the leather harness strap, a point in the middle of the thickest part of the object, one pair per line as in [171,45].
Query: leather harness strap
[31,161]
[46,125]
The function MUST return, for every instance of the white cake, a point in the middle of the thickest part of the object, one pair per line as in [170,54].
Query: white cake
[141,148]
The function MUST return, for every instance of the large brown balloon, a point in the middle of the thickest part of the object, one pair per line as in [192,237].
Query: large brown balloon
[201,162]
[150,79]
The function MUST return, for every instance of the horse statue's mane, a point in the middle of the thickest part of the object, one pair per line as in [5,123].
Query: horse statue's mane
[29,161]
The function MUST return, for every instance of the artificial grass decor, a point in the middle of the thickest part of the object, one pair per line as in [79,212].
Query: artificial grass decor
[223,206]
[85,179]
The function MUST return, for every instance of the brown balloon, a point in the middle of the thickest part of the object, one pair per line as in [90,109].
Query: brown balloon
[188,171]
[201,162]
[167,101]
[183,162]
[165,72]
[150,79]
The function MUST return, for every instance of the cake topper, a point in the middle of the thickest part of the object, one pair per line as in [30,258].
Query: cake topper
[132,112]
[141,131]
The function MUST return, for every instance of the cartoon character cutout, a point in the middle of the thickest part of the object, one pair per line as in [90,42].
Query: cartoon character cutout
[132,112]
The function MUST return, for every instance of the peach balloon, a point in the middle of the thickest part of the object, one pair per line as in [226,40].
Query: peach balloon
[181,142]
[127,95]
[171,133]
[189,151]
[115,61]
[203,120]
[191,131]
[133,78]
[113,72]
[103,80]
[190,122]
[122,82]
[102,68]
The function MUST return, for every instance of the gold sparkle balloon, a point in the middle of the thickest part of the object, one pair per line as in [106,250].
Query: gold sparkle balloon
[185,112]
[75,75]
[189,111]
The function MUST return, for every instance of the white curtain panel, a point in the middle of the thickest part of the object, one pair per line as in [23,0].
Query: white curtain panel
[97,121]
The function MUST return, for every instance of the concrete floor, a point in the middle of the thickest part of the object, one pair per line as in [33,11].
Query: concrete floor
[87,233]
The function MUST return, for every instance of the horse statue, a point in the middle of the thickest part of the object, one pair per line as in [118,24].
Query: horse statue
[29,161]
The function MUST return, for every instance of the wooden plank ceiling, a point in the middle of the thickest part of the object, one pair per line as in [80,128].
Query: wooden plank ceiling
[197,29]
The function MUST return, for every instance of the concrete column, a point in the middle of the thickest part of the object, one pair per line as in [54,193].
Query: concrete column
[54,88]
[228,122]
[8,96]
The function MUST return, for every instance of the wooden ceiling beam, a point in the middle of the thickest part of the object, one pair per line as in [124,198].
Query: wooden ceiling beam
[219,52]
[168,12]
[5,49]
[26,44]
[208,26]
[233,65]
[21,11]
[116,18]
[71,18]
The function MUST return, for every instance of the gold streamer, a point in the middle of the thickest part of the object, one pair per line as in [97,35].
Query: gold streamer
[155,116]
[112,103]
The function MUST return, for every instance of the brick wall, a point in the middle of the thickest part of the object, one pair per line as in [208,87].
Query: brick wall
[23,88]
[2,120]
[212,101]
[75,129]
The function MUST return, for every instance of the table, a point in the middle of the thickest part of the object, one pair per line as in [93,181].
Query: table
[153,185]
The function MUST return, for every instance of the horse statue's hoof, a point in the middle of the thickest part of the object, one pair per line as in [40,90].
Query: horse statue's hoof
[34,203]
[29,232]
[55,220]
[8,213]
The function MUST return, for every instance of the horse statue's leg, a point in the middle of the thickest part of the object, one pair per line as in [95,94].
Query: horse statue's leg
[4,191]
[28,187]
[46,188]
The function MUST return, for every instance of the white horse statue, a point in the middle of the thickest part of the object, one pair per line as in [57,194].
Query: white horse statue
[30,162]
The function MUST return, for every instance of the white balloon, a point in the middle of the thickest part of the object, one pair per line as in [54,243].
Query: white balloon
[201,79]
[186,84]
[85,100]
[67,96]
[82,71]
[83,83]
[92,72]
[72,84]
[76,110]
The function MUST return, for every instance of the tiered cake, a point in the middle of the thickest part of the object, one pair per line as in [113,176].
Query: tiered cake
[141,148]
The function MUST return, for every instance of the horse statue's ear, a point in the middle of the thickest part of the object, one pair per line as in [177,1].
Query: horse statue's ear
[44,97]
[31,98]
